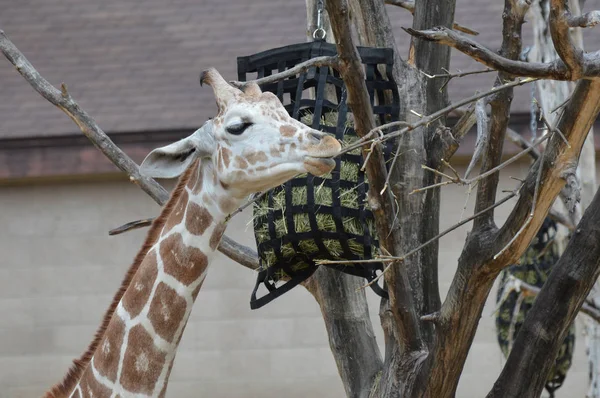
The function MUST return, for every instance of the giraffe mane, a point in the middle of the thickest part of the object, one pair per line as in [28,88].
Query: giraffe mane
[79,365]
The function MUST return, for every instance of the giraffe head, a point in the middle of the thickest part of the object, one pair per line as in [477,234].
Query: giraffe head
[253,143]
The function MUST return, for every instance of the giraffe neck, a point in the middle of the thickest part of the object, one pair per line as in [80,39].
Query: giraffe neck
[136,352]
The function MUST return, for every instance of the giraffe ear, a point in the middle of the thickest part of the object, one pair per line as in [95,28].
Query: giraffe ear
[172,160]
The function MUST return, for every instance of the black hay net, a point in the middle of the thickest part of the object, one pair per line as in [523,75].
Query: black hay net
[310,217]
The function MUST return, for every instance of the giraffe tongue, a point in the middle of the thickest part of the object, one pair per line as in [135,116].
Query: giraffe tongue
[318,166]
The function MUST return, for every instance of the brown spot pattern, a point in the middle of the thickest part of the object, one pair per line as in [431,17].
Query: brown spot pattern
[199,182]
[106,357]
[91,387]
[197,218]
[177,213]
[166,311]
[138,292]
[142,362]
[227,204]
[184,263]
[226,156]
[216,236]
[240,163]
[195,181]
[287,130]
[275,152]
[255,157]
[193,176]
[207,199]
[219,161]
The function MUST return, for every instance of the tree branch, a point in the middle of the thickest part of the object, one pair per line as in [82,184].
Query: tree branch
[346,314]
[586,20]
[448,140]
[556,70]
[381,203]
[478,268]
[559,165]
[553,311]
[513,19]
[521,142]
[63,100]
[425,120]
[409,5]
[564,46]
[587,307]
[421,215]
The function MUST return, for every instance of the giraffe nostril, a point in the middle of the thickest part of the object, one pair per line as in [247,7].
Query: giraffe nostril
[315,136]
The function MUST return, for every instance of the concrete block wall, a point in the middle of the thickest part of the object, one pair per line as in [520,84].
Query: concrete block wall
[59,270]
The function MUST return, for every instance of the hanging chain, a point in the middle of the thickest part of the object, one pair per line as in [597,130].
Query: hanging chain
[319,33]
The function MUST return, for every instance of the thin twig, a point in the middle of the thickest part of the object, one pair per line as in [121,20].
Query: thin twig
[440,173]
[521,142]
[332,61]
[457,74]
[148,221]
[549,126]
[587,308]
[256,198]
[449,76]
[130,226]
[430,118]
[483,138]
[462,181]
[562,104]
[452,169]
[468,196]
[389,258]
[377,259]
[428,187]
[392,259]
[536,188]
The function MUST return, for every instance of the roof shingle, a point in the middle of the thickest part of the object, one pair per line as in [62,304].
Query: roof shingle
[134,65]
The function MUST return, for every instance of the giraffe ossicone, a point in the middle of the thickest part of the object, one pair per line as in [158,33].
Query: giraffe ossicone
[251,145]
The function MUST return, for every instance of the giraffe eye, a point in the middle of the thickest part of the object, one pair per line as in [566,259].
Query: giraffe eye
[238,128]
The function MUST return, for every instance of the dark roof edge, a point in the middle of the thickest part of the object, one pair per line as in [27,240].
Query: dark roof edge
[73,157]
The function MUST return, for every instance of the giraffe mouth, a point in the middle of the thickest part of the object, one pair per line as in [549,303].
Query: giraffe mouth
[319,166]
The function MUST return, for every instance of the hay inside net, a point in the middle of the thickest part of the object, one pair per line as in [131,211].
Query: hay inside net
[349,198]
[310,218]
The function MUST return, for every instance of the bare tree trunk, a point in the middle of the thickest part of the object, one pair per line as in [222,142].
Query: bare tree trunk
[343,303]
[551,95]
[587,177]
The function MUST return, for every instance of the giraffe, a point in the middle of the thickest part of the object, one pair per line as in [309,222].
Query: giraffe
[251,145]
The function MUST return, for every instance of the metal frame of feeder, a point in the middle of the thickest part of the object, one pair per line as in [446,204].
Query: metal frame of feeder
[292,92]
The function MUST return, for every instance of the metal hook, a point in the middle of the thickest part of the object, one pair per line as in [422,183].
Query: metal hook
[319,33]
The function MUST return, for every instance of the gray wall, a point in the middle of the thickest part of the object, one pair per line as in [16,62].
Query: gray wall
[59,270]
